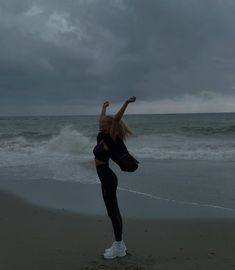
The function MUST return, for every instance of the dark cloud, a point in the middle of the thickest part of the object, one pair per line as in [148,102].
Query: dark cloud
[56,54]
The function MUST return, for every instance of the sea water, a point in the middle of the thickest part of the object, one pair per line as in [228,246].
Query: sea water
[60,148]
[26,141]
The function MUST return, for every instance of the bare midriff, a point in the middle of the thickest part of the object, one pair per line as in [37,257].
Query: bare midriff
[99,162]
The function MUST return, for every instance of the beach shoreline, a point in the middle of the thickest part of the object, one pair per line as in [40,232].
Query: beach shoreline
[34,237]
[160,189]
[50,224]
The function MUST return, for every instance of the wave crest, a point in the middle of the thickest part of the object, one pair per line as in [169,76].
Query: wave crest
[68,141]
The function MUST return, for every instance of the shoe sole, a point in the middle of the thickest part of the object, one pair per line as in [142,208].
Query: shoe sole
[113,257]
[109,249]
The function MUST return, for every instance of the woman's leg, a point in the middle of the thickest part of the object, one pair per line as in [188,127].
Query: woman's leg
[110,199]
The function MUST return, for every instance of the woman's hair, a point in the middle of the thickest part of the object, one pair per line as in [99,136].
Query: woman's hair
[123,131]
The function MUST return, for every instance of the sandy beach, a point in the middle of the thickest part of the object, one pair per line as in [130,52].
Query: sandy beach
[169,222]
[34,237]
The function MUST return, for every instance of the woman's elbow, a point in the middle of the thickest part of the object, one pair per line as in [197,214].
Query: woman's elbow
[116,119]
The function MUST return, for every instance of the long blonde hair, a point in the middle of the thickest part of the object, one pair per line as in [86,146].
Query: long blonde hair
[123,131]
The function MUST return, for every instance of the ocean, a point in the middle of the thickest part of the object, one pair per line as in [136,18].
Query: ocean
[59,148]
[26,141]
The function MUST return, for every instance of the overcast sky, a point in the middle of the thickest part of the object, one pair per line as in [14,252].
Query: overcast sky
[68,57]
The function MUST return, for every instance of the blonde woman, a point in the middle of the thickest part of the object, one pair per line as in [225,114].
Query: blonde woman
[115,128]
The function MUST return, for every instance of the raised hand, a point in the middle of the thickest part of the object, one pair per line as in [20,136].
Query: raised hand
[106,104]
[131,99]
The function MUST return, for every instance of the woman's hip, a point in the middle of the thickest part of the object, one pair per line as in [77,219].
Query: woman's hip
[106,175]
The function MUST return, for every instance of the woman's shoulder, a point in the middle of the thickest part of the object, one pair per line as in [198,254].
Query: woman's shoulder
[106,135]
[117,138]
[100,136]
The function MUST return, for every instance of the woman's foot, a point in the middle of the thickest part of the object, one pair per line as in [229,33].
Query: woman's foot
[118,249]
[116,243]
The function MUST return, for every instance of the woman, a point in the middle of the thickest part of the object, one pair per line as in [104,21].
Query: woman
[117,130]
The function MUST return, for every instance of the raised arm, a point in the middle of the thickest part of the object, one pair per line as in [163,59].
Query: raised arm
[103,112]
[119,115]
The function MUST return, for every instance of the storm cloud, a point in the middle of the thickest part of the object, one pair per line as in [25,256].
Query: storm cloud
[67,57]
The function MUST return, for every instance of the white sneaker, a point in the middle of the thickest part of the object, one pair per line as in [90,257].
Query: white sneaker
[118,250]
[115,243]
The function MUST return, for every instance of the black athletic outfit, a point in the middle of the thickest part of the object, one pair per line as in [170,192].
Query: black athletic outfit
[109,184]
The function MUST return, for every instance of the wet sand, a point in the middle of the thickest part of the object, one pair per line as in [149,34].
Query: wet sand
[36,237]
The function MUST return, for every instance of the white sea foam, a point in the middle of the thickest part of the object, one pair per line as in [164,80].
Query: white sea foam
[72,171]
[69,141]
[167,146]
[61,157]
[68,144]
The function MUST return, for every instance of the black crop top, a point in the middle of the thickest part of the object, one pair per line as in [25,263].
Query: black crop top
[99,151]
[116,149]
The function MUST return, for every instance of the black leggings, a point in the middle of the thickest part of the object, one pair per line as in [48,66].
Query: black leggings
[109,187]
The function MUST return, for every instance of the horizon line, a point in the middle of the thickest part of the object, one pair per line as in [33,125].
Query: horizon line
[130,114]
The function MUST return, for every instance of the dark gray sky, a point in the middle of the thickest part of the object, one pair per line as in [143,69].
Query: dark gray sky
[68,57]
